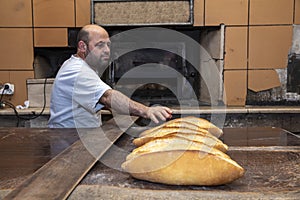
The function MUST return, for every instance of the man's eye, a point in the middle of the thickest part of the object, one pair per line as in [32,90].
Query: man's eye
[100,45]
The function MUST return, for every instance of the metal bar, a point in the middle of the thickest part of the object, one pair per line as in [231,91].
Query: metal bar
[266,148]
[58,178]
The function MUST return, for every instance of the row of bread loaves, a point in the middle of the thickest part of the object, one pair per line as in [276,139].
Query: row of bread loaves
[183,151]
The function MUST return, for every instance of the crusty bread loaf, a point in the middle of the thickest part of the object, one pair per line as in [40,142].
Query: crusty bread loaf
[193,135]
[193,123]
[180,167]
[209,141]
[176,143]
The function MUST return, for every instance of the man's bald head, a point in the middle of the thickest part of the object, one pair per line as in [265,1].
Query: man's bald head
[85,33]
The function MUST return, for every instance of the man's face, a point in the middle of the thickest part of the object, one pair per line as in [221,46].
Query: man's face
[98,50]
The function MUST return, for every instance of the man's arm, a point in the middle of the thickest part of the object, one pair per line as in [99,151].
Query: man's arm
[117,101]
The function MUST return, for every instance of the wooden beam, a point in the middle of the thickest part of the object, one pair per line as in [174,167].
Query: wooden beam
[58,178]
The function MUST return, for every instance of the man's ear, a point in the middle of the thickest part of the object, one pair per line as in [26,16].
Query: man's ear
[82,46]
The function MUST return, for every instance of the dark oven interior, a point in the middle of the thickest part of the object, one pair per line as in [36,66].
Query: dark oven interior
[152,81]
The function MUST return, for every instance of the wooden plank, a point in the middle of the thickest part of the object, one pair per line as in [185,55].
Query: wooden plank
[57,178]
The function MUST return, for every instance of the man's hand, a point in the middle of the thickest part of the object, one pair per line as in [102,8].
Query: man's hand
[157,113]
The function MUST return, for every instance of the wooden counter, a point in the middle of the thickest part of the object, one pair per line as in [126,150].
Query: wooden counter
[271,157]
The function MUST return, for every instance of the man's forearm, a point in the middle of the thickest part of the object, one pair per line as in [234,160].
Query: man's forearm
[117,101]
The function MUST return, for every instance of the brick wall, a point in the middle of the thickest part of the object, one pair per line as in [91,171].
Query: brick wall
[258,36]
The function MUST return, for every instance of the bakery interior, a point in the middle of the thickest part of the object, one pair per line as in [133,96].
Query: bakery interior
[236,64]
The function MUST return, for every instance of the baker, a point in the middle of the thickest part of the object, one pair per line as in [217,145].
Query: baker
[78,93]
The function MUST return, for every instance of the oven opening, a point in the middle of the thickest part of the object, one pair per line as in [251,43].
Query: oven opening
[155,76]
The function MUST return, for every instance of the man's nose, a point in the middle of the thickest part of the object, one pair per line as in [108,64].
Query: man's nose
[107,49]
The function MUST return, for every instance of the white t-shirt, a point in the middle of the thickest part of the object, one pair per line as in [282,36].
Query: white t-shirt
[75,94]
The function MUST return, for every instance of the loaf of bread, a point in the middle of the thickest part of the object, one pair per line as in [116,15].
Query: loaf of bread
[184,167]
[193,123]
[174,143]
[183,151]
[202,136]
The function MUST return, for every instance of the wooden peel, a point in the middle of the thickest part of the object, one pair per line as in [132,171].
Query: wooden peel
[58,178]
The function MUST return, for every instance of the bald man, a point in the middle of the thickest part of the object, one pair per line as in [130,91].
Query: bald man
[78,93]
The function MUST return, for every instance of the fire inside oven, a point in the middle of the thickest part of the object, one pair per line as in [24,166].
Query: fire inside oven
[154,75]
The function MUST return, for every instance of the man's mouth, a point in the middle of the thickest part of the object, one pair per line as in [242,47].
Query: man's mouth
[105,57]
